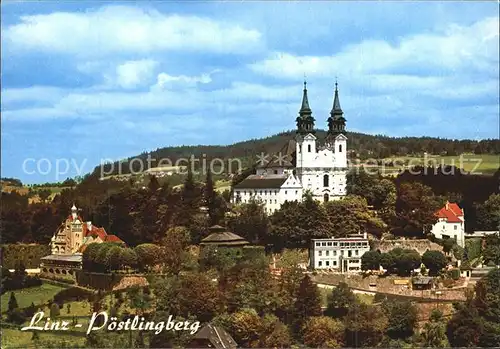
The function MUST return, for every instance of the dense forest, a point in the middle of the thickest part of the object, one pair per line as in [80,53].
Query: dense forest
[361,145]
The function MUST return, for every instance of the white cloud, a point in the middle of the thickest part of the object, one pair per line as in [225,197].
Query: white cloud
[134,73]
[167,81]
[458,47]
[124,29]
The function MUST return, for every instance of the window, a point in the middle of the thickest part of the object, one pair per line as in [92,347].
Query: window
[356,252]
[455,227]
[327,253]
[296,192]
[318,244]
[340,148]
[320,253]
[334,263]
[327,263]
[323,244]
[326,181]
[285,192]
[275,171]
[335,244]
[329,244]
[349,253]
[261,192]
[309,148]
[334,253]
[326,197]
[319,264]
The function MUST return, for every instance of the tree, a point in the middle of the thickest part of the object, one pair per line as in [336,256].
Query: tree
[365,325]
[402,319]
[12,302]
[340,300]
[434,331]
[153,184]
[370,260]
[401,261]
[435,261]
[275,333]
[308,302]
[190,200]
[114,257]
[148,255]
[415,209]
[323,332]
[213,201]
[246,328]
[129,258]
[352,216]
[491,252]
[54,310]
[251,222]
[174,244]
[488,213]
[296,223]
[448,245]
[44,194]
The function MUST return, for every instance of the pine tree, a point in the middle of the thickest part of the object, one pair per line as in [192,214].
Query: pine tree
[12,302]
[153,184]
[307,304]
[189,199]
[210,199]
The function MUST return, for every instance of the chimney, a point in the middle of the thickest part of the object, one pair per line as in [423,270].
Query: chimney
[447,205]
[365,235]
[89,226]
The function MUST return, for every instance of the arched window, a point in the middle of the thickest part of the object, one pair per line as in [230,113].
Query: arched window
[325,197]
[340,148]
[326,179]
[309,148]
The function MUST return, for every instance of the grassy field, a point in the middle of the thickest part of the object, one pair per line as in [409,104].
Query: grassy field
[38,295]
[363,298]
[483,164]
[222,185]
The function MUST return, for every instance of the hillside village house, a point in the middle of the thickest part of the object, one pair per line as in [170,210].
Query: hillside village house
[69,242]
[450,224]
[343,254]
[305,163]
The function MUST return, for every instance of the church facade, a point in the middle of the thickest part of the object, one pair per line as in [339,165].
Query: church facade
[306,163]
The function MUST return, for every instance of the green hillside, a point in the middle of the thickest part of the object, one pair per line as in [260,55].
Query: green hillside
[361,145]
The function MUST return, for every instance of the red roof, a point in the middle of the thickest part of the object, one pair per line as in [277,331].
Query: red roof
[113,238]
[451,212]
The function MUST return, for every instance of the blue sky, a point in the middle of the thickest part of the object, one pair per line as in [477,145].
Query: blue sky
[86,81]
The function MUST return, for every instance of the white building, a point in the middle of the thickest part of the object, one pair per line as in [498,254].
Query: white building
[450,224]
[342,254]
[305,163]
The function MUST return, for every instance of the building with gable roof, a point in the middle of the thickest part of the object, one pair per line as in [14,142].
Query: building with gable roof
[73,235]
[303,164]
[450,224]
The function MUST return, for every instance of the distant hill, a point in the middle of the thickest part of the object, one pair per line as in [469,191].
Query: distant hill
[361,145]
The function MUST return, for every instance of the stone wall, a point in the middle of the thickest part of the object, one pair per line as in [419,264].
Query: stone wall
[421,245]
[386,285]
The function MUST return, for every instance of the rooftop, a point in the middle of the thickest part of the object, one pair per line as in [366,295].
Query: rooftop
[63,258]
[262,182]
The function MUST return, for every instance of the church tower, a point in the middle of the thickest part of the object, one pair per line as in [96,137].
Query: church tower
[305,139]
[336,121]
[336,137]
[305,121]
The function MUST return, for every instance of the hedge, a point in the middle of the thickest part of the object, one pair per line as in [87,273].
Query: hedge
[28,254]
[98,281]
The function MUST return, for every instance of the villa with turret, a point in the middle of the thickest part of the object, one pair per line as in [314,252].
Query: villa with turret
[305,163]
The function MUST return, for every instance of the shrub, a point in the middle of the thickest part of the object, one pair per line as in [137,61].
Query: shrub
[72,294]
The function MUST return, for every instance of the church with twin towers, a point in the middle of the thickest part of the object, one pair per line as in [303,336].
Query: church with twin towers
[305,163]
